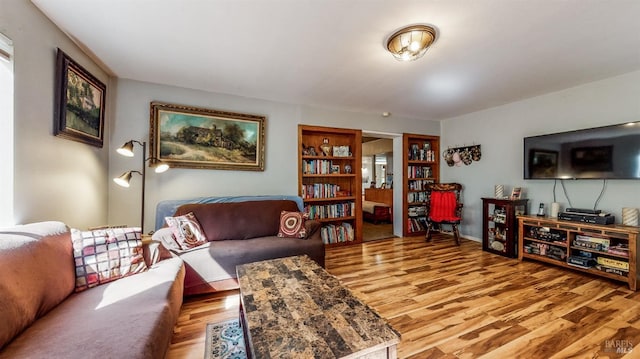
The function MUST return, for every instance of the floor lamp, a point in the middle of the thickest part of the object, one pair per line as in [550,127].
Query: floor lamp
[124,179]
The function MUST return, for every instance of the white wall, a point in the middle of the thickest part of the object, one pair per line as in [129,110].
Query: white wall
[54,178]
[501,130]
[280,174]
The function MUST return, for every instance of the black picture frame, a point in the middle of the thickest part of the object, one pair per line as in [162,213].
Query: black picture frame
[80,103]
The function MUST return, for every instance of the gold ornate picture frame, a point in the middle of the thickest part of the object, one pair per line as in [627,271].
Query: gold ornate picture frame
[194,137]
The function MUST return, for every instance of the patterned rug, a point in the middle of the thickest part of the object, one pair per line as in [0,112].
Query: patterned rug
[225,341]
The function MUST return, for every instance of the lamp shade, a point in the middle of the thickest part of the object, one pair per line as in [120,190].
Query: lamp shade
[123,180]
[161,166]
[126,149]
[411,43]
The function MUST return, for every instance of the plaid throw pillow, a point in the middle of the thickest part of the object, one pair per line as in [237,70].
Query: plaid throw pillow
[104,255]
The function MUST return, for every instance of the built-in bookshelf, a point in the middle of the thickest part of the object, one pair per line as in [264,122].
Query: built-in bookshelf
[604,250]
[330,181]
[421,163]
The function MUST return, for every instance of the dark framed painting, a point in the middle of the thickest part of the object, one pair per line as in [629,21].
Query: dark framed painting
[543,163]
[193,137]
[80,103]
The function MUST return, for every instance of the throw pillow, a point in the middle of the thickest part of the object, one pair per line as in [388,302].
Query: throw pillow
[104,255]
[187,231]
[292,224]
[167,238]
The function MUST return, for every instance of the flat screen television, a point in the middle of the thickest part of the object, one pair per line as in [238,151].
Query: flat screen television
[610,152]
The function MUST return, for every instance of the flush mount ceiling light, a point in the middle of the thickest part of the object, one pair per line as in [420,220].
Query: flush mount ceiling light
[411,42]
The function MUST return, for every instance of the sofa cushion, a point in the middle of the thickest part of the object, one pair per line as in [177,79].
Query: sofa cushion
[240,220]
[132,317]
[105,255]
[187,231]
[217,261]
[36,273]
[292,224]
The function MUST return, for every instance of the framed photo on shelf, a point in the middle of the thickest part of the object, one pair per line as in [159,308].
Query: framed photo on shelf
[516,192]
[341,151]
[335,169]
[80,102]
[193,137]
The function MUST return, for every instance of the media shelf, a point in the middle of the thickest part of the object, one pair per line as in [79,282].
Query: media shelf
[329,181]
[605,250]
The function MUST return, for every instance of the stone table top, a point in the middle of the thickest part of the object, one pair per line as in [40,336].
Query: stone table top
[294,308]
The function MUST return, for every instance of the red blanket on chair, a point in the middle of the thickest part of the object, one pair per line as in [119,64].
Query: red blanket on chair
[443,207]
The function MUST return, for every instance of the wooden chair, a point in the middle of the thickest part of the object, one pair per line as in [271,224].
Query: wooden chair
[444,207]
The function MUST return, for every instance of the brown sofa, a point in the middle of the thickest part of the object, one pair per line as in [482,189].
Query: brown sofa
[42,317]
[239,232]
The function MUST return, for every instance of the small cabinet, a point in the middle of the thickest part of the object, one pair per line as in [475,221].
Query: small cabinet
[499,225]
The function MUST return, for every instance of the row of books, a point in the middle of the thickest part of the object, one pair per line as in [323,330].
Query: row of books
[546,250]
[419,185]
[417,224]
[319,167]
[337,210]
[413,197]
[589,260]
[422,154]
[337,233]
[419,172]
[320,190]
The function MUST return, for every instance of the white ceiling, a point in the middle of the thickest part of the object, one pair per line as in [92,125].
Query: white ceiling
[331,53]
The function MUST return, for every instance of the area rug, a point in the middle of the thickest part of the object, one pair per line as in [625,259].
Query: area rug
[225,341]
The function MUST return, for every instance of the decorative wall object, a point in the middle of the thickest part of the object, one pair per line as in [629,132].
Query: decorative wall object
[630,216]
[456,156]
[80,102]
[192,137]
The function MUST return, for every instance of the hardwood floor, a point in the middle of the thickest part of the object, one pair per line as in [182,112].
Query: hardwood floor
[461,302]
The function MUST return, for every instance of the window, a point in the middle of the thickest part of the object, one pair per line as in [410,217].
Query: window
[6,131]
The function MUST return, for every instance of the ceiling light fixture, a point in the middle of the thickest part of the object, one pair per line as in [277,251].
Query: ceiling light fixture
[411,42]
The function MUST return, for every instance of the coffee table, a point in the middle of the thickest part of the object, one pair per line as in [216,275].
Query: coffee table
[292,308]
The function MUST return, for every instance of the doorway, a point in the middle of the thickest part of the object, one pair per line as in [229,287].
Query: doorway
[377,186]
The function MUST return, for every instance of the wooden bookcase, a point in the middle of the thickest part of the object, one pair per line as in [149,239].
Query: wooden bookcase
[421,162]
[330,183]
[606,250]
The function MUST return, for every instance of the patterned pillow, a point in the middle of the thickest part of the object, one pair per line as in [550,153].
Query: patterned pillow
[167,238]
[187,231]
[292,224]
[104,255]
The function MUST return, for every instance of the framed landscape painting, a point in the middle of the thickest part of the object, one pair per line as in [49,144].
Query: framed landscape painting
[192,137]
[80,102]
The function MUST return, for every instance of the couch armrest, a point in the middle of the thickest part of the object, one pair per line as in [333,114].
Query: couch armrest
[154,251]
[311,226]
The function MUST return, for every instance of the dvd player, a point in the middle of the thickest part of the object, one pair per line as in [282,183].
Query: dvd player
[600,218]
[583,210]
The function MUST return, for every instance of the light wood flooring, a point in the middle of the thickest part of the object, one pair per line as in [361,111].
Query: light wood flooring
[461,302]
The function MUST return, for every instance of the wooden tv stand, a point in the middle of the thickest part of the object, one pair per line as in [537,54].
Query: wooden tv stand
[561,243]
